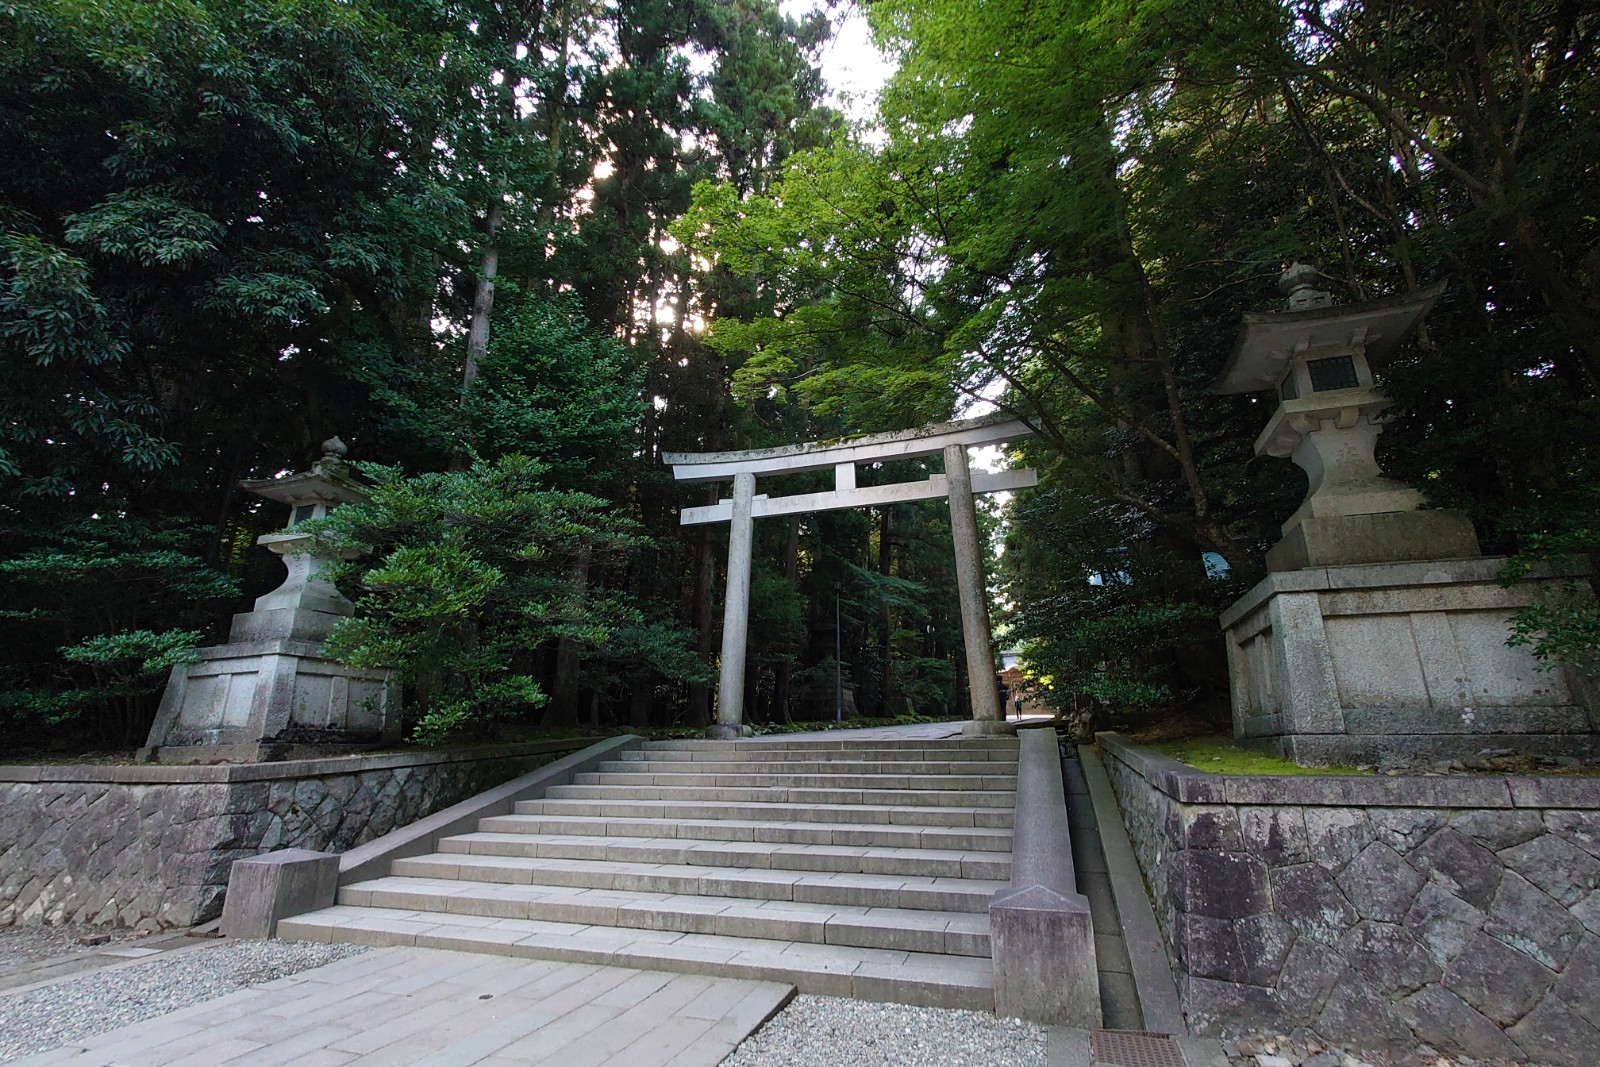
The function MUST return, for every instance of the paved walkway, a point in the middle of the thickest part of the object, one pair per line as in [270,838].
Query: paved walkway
[447,1009]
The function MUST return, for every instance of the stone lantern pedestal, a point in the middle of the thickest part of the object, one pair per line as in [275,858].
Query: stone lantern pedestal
[270,693]
[1379,637]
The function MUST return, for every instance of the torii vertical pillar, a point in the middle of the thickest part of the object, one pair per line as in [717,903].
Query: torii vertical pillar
[986,717]
[736,611]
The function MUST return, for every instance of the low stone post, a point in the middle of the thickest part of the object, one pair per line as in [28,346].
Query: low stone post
[277,885]
[1041,936]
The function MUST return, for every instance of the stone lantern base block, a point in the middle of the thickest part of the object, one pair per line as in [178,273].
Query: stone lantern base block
[283,624]
[1399,664]
[244,701]
[1383,537]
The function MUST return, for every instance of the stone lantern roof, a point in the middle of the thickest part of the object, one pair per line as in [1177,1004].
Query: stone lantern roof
[1268,341]
[327,482]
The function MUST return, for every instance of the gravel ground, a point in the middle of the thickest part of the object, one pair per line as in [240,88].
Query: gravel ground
[30,944]
[833,1032]
[50,1016]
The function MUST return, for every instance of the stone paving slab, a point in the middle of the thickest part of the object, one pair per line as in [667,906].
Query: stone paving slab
[447,1009]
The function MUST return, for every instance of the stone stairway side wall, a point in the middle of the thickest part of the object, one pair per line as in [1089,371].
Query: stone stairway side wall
[151,846]
[1458,911]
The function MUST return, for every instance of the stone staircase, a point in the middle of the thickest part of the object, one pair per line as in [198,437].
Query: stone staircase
[850,868]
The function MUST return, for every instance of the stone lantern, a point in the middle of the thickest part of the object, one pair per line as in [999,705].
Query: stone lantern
[306,606]
[270,692]
[1379,635]
[1318,359]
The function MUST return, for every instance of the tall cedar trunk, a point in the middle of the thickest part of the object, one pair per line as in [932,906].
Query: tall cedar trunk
[885,622]
[564,706]
[705,625]
[483,298]
[752,680]
[785,669]
[639,703]
[1566,304]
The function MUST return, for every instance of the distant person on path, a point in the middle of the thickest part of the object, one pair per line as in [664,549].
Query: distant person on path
[1019,703]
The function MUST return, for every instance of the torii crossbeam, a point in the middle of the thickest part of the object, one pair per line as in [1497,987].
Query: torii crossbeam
[957,484]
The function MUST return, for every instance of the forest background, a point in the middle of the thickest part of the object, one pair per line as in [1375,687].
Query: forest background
[512,252]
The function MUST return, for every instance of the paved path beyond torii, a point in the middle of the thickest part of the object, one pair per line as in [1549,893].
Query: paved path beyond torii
[447,1009]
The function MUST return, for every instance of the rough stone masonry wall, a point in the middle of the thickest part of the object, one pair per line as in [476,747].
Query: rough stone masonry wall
[152,846]
[1463,912]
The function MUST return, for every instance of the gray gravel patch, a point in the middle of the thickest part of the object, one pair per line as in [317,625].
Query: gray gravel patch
[50,1016]
[833,1032]
[30,944]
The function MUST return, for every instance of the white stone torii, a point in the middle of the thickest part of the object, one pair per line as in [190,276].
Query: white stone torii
[958,484]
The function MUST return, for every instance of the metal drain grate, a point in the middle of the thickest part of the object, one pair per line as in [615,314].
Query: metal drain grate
[1135,1048]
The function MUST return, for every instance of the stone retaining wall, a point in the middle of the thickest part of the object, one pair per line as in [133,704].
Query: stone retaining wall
[1462,912]
[151,846]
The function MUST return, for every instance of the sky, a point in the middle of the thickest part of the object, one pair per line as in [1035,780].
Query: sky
[854,69]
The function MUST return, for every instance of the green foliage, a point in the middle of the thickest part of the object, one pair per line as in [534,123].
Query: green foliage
[1563,626]
[466,574]
[80,603]
[1105,611]
[554,388]
[1071,205]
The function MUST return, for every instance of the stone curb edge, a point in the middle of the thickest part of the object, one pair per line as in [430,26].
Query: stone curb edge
[157,774]
[1190,785]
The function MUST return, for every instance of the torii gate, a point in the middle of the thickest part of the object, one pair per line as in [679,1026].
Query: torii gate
[958,483]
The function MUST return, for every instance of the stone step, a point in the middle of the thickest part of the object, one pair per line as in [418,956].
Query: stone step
[914,892]
[909,815]
[768,744]
[724,755]
[766,855]
[900,929]
[833,970]
[849,835]
[771,780]
[802,766]
[780,795]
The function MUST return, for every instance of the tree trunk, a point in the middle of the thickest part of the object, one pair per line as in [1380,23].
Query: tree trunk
[885,620]
[564,706]
[785,669]
[483,298]
[639,703]
[705,625]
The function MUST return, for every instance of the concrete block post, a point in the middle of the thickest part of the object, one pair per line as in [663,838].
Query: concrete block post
[975,630]
[736,610]
[278,885]
[1041,934]
[1044,963]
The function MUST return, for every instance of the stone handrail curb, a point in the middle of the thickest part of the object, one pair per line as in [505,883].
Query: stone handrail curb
[262,890]
[1040,933]
[1189,785]
[137,774]
[372,859]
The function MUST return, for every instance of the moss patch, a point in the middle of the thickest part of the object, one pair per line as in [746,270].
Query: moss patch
[1221,755]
